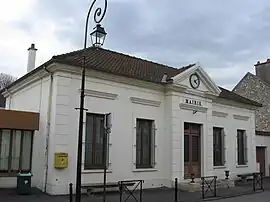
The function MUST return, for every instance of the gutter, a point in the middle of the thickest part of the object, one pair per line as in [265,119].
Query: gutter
[48,127]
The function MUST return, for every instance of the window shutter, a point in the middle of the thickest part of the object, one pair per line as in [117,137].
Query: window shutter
[137,151]
[153,145]
[214,146]
[107,130]
[223,147]
[236,151]
[108,149]
[246,148]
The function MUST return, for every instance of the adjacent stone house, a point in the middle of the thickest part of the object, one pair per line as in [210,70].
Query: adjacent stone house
[257,87]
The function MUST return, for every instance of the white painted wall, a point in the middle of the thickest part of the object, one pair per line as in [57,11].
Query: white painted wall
[8,182]
[124,113]
[230,125]
[179,117]
[32,98]
[168,116]
[264,141]
[169,135]
[208,121]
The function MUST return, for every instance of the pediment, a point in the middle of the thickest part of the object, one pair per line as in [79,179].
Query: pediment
[195,79]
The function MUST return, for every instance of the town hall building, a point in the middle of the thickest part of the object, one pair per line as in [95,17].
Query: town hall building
[166,122]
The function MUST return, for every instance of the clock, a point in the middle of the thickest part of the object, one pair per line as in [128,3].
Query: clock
[194,80]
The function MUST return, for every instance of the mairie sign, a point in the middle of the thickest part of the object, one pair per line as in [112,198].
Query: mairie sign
[193,102]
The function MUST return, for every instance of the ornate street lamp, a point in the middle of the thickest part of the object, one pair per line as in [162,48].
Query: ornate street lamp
[100,34]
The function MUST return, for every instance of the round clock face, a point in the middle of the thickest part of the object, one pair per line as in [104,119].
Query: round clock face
[194,80]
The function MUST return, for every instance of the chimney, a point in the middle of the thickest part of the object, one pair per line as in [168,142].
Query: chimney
[31,58]
[164,78]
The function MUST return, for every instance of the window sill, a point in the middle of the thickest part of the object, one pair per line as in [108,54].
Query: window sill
[96,171]
[8,174]
[145,170]
[241,166]
[220,167]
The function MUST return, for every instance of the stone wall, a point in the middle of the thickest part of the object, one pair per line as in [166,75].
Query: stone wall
[252,87]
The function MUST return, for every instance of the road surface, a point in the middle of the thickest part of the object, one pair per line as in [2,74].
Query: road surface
[260,197]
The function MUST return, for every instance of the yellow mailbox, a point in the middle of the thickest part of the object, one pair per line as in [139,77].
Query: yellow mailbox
[60,160]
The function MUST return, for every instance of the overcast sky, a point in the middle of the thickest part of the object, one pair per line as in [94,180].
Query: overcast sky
[226,37]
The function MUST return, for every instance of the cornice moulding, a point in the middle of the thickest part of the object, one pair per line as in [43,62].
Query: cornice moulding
[192,107]
[142,101]
[239,117]
[100,94]
[219,114]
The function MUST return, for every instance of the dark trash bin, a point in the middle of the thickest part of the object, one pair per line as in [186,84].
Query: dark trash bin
[24,183]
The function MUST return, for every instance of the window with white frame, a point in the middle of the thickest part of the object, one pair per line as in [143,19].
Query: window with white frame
[145,143]
[242,147]
[15,151]
[95,132]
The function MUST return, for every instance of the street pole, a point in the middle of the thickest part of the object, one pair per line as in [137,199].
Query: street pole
[97,13]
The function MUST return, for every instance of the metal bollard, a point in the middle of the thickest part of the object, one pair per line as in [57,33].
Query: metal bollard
[215,186]
[253,182]
[175,189]
[70,192]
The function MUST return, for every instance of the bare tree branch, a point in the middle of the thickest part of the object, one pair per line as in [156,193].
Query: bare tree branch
[6,80]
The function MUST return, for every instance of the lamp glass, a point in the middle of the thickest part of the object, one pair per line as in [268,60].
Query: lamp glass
[98,35]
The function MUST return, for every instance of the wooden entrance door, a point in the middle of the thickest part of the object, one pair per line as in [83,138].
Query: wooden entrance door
[260,156]
[192,150]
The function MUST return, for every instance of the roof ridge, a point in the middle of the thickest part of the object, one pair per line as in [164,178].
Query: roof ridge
[257,77]
[242,79]
[69,53]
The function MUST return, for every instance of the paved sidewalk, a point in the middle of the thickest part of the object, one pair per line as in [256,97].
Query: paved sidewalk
[152,195]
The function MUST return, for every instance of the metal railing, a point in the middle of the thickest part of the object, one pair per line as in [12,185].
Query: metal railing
[208,188]
[123,187]
[258,181]
[211,186]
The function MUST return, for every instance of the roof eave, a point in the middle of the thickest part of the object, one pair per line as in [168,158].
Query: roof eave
[44,65]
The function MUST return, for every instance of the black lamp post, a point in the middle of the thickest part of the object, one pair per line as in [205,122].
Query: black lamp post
[99,37]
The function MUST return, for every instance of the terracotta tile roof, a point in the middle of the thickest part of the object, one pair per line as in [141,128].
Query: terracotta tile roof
[229,95]
[129,66]
[117,63]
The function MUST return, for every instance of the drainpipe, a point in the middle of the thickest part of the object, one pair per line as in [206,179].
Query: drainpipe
[9,100]
[48,126]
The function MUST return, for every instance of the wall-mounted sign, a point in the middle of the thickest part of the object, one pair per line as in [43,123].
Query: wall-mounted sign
[193,102]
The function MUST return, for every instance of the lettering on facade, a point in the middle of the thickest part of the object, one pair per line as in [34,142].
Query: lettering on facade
[193,102]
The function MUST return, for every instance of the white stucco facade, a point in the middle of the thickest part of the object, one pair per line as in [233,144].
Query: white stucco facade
[128,99]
